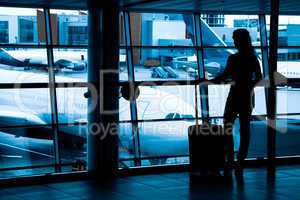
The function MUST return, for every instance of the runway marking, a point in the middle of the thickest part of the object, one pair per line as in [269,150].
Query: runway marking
[27,150]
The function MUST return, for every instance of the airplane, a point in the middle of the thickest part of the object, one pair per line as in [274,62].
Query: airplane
[37,58]
[32,107]
[21,107]
[167,138]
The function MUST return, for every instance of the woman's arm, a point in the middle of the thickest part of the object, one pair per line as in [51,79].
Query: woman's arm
[226,73]
[257,72]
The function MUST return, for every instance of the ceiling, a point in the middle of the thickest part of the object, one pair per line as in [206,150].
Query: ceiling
[255,6]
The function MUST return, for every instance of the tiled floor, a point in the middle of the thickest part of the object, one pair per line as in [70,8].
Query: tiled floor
[255,184]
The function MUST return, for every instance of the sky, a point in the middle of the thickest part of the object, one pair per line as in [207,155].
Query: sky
[31,12]
[282,19]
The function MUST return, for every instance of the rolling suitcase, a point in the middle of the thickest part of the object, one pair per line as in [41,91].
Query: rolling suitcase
[207,149]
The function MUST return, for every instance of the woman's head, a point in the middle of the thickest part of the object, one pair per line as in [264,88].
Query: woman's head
[242,41]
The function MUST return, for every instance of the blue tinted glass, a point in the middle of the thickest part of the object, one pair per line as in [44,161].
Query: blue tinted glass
[25,107]
[71,105]
[70,64]
[217,29]
[162,29]
[72,140]
[165,64]
[164,138]
[22,26]
[20,65]
[69,27]
[158,102]
[288,62]
[34,147]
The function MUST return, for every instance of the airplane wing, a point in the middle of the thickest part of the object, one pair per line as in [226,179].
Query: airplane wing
[10,117]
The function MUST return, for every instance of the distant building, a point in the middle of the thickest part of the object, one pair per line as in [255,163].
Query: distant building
[4,32]
[293,34]
[27,26]
[246,23]
[225,34]
[161,30]
[289,36]
[70,29]
[214,20]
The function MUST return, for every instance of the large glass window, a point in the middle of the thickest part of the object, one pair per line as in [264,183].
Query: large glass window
[164,50]
[219,32]
[287,94]
[162,141]
[287,121]
[166,102]
[165,64]
[25,130]
[71,105]
[162,29]
[217,95]
[28,104]
[161,48]
[70,62]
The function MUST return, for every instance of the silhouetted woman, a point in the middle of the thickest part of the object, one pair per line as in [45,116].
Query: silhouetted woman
[243,69]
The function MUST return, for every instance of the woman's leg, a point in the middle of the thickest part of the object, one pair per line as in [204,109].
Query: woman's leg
[229,118]
[244,136]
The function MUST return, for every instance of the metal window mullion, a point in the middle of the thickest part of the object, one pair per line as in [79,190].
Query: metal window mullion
[264,44]
[52,90]
[133,106]
[264,50]
[201,69]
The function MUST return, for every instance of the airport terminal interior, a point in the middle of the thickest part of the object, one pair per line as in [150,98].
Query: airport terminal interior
[97,98]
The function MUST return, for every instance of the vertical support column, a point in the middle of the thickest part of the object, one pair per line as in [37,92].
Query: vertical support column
[52,89]
[271,106]
[103,77]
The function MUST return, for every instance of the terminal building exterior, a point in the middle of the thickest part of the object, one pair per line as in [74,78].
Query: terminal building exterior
[69,29]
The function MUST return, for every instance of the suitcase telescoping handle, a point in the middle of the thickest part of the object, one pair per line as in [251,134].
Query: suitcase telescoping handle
[196,103]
